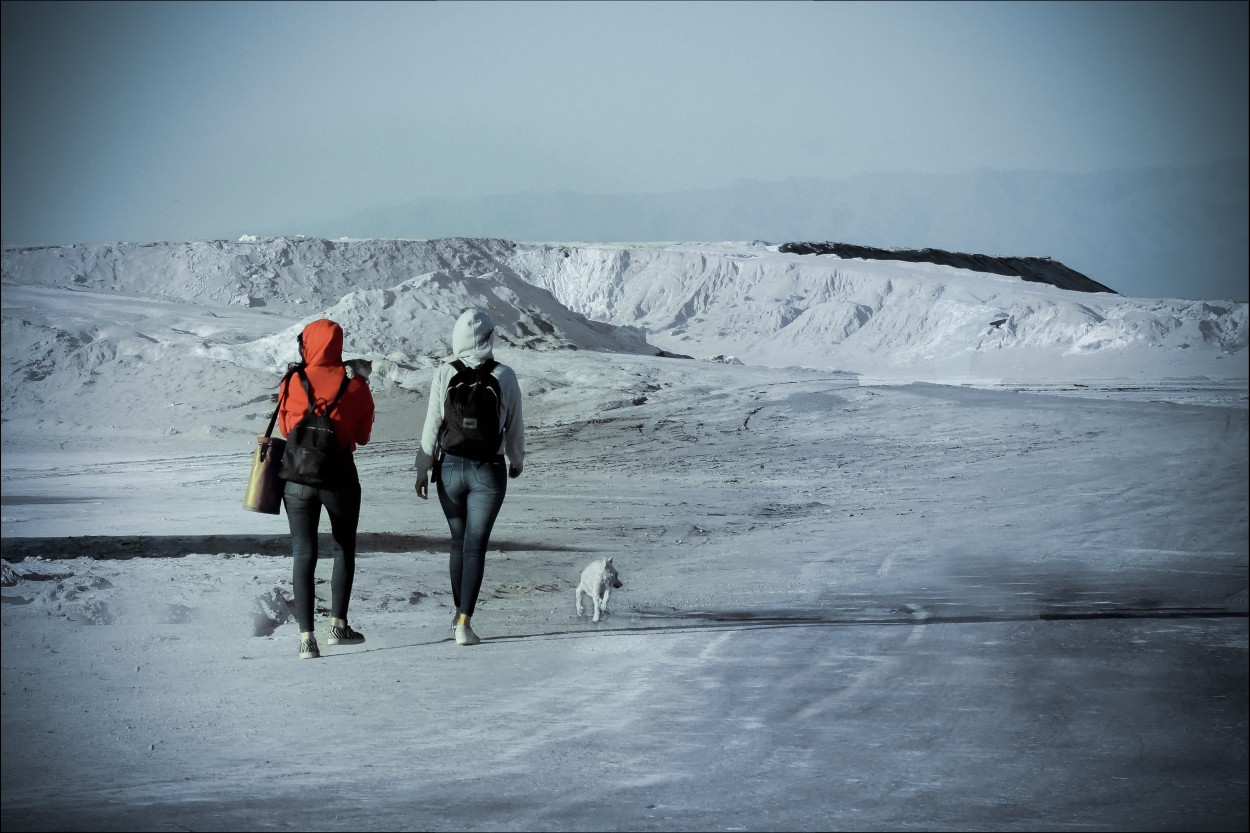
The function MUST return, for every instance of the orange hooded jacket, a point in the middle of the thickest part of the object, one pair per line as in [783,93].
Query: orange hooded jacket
[323,353]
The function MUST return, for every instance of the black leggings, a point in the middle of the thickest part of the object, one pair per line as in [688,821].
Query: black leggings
[303,513]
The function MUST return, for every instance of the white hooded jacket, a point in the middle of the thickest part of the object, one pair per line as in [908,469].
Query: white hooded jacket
[473,342]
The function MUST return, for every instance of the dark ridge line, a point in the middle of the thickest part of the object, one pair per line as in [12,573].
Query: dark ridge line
[1034,269]
[723,624]
[970,618]
[125,547]
[731,623]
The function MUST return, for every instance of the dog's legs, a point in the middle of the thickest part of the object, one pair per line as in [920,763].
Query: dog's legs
[598,606]
[607,591]
[577,594]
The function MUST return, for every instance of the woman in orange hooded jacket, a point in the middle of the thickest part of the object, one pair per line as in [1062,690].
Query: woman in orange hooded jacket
[321,354]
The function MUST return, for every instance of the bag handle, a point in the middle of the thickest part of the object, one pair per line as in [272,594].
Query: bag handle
[272,419]
[286,384]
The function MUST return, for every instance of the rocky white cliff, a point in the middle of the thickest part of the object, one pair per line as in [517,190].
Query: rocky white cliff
[753,301]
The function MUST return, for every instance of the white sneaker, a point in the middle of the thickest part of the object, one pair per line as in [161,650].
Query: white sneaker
[465,635]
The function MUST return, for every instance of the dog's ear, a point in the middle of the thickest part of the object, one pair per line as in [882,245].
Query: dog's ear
[609,561]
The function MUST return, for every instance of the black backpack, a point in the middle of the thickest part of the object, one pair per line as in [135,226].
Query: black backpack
[471,413]
[313,456]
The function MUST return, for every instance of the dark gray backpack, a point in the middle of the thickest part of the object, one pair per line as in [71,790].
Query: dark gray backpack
[313,456]
[471,425]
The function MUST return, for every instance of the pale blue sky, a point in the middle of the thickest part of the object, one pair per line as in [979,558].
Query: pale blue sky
[167,121]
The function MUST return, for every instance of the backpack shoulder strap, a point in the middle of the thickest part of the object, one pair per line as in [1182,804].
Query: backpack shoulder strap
[312,396]
[308,392]
[487,366]
[342,390]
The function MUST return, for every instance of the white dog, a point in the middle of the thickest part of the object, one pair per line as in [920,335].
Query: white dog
[359,367]
[597,582]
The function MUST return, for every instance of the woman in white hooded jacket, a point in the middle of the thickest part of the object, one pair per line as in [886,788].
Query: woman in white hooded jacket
[471,489]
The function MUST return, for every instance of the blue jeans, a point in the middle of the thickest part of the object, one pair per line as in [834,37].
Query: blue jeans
[303,513]
[471,493]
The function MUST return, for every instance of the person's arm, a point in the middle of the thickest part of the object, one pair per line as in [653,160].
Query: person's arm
[288,415]
[364,426]
[429,433]
[514,423]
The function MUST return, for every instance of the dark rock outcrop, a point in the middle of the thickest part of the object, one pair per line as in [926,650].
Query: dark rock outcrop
[1035,269]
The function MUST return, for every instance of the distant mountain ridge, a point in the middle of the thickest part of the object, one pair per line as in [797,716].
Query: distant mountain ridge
[1155,232]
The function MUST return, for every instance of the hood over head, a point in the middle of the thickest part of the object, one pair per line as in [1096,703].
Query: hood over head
[473,337]
[322,342]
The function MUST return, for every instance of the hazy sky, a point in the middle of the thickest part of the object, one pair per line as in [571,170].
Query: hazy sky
[169,121]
